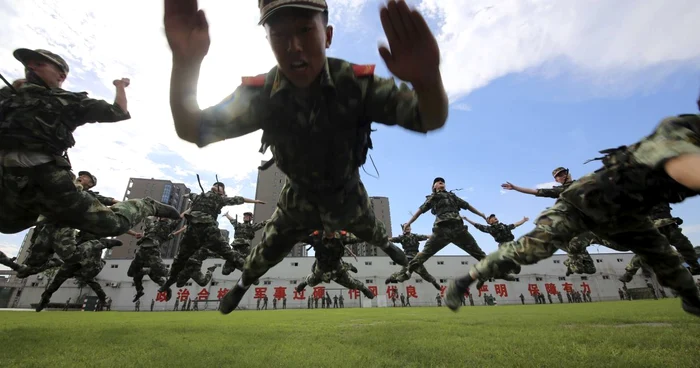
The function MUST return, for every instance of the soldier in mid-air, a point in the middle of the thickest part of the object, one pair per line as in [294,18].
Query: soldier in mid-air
[193,268]
[148,261]
[38,119]
[243,235]
[202,229]
[329,267]
[318,142]
[501,232]
[615,203]
[410,243]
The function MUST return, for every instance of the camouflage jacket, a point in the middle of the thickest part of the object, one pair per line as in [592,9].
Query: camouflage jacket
[329,252]
[632,180]
[409,242]
[319,140]
[201,255]
[206,207]
[36,118]
[157,230]
[501,232]
[246,230]
[661,211]
[445,206]
[553,192]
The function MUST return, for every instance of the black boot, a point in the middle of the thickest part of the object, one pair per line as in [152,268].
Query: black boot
[231,300]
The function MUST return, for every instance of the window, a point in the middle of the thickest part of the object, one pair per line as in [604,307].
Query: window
[106,283]
[606,277]
[620,260]
[166,193]
[188,284]
[114,266]
[214,283]
[418,281]
[442,281]
[369,281]
[584,277]
[562,278]
[538,279]
[167,266]
[267,282]
[517,279]
[217,264]
[441,262]
[295,264]
[491,280]
[392,263]
[35,284]
[557,261]
[598,260]
[465,262]
[293,282]
[368,263]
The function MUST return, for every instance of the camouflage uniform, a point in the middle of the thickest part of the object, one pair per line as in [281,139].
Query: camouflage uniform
[243,235]
[448,228]
[501,233]
[193,268]
[147,260]
[319,143]
[345,239]
[328,266]
[36,130]
[85,271]
[51,238]
[410,243]
[203,231]
[614,202]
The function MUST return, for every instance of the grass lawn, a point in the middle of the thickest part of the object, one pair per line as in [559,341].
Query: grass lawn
[614,334]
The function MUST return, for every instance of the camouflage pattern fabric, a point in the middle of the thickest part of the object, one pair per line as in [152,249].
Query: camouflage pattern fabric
[49,190]
[243,234]
[446,232]
[193,269]
[445,206]
[147,257]
[329,267]
[615,204]
[500,232]
[296,214]
[410,243]
[246,230]
[6,261]
[553,192]
[49,239]
[197,236]
[86,270]
[206,207]
[156,231]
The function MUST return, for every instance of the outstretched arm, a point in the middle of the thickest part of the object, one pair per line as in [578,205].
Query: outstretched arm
[524,220]
[509,186]
[179,231]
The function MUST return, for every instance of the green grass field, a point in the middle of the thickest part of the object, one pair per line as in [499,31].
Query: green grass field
[614,334]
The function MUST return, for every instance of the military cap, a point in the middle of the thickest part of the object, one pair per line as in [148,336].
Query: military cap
[94,179]
[269,7]
[220,184]
[247,214]
[491,215]
[438,179]
[559,169]
[25,55]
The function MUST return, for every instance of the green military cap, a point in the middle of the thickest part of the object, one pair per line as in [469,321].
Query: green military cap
[269,7]
[26,55]
[559,170]
[438,179]
[248,214]
[218,184]
[94,179]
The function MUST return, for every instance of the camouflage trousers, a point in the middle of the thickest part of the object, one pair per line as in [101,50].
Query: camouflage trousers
[241,248]
[557,225]
[84,272]
[197,236]
[404,274]
[50,239]
[579,260]
[444,233]
[347,267]
[337,274]
[296,213]
[49,190]
[147,256]
[683,245]
[193,270]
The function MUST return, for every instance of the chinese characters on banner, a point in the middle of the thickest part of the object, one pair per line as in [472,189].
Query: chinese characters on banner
[260,292]
[550,288]
[391,292]
[280,292]
[373,289]
[183,295]
[484,288]
[299,295]
[160,297]
[533,289]
[411,291]
[501,290]
[203,294]
[585,288]
[353,294]
[568,287]
[220,294]
[319,292]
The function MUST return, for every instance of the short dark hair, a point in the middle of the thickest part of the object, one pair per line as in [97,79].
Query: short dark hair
[302,13]
[491,215]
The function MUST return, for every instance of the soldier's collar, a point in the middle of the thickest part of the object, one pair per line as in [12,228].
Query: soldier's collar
[281,83]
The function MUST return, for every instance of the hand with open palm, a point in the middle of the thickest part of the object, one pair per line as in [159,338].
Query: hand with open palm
[187,31]
[413,54]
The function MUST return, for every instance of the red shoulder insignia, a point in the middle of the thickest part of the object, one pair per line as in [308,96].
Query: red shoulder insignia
[256,81]
[363,70]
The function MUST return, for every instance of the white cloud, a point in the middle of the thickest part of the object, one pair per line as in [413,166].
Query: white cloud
[691,229]
[546,185]
[462,107]
[608,43]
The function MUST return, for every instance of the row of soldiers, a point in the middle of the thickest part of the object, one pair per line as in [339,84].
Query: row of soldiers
[320,143]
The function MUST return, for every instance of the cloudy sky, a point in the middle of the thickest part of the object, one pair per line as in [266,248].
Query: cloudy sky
[533,85]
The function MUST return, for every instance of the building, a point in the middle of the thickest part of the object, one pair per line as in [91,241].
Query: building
[174,194]
[548,277]
[268,188]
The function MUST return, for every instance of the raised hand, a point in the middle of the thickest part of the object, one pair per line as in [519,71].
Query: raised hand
[413,54]
[123,83]
[507,186]
[187,31]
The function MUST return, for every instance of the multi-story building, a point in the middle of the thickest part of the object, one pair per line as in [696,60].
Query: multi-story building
[174,194]
[380,205]
[547,277]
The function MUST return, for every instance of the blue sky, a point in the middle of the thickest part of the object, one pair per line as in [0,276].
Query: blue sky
[533,85]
